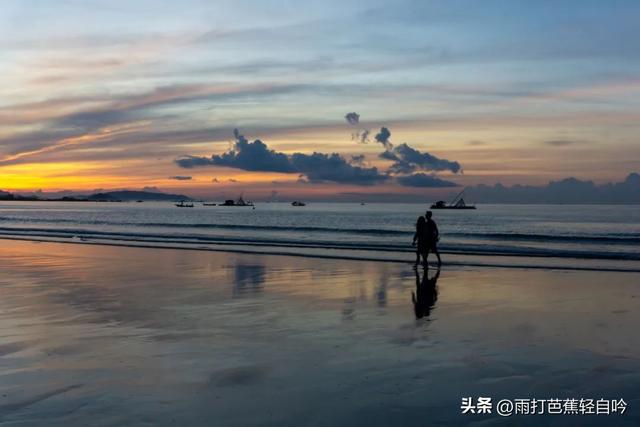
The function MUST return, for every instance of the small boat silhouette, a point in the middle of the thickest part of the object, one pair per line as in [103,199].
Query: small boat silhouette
[239,202]
[457,203]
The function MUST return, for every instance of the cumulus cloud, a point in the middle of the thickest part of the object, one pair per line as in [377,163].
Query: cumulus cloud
[423,180]
[181,178]
[388,155]
[316,167]
[409,159]
[320,167]
[352,118]
[361,135]
[383,138]
[239,137]
[357,159]
[250,156]
[253,156]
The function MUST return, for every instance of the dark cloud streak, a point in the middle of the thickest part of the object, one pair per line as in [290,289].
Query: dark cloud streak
[563,142]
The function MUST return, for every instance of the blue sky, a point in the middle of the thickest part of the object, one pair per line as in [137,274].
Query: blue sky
[101,94]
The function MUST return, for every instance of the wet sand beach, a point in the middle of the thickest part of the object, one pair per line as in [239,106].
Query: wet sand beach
[112,336]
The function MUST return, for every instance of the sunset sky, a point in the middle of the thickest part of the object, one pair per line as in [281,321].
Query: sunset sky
[133,94]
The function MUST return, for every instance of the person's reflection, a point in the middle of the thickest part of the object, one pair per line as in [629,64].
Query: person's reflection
[248,278]
[426,294]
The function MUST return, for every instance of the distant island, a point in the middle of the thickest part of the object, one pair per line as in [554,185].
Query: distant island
[128,196]
[108,196]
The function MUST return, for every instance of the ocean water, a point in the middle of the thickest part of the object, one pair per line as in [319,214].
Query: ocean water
[581,232]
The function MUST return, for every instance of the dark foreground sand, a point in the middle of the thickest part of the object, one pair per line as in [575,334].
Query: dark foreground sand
[97,335]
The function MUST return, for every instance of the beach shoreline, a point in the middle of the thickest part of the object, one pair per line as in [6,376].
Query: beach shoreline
[454,259]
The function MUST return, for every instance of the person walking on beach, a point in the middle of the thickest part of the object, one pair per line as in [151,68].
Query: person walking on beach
[419,237]
[432,236]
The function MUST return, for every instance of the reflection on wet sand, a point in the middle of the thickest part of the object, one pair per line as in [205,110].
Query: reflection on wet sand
[248,278]
[426,294]
[126,336]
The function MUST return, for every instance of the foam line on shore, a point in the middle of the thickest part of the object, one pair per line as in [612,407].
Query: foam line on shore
[146,245]
[524,237]
[469,249]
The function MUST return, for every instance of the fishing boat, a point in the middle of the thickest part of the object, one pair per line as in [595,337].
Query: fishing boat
[239,202]
[242,202]
[457,203]
[298,203]
[182,204]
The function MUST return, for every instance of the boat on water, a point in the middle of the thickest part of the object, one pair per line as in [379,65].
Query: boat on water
[182,204]
[298,203]
[239,202]
[208,204]
[457,203]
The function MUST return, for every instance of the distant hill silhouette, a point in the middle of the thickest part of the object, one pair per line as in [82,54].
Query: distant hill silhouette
[4,195]
[126,195]
[108,196]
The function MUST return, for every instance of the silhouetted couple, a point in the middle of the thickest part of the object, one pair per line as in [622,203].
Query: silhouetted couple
[426,237]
